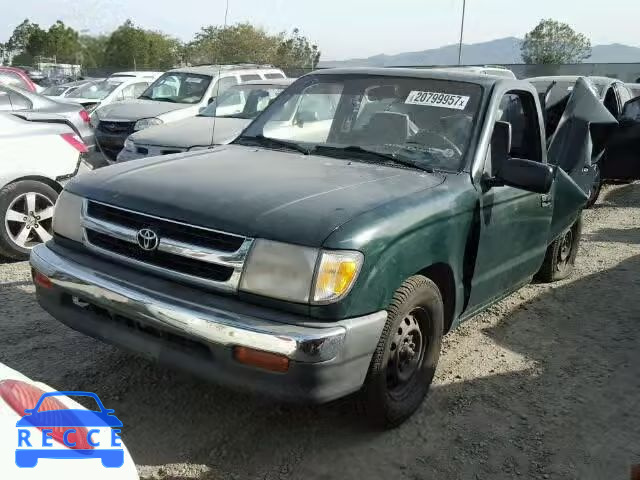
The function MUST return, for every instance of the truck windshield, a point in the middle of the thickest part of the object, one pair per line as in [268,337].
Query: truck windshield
[178,87]
[427,123]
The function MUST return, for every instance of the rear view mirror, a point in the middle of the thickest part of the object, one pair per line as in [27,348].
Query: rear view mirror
[377,94]
[303,117]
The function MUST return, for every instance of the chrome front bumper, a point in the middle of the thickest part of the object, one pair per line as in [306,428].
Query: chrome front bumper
[308,342]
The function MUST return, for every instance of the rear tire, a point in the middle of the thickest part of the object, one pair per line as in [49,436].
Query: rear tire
[561,255]
[405,360]
[24,205]
[594,193]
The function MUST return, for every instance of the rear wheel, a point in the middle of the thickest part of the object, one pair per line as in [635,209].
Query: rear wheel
[561,255]
[26,217]
[405,360]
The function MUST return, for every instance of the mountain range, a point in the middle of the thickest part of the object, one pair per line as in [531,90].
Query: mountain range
[501,51]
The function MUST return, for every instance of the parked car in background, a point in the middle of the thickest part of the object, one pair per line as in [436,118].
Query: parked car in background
[217,124]
[137,74]
[19,393]
[620,160]
[16,77]
[37,158]
[59,91]
[314,259]
[95,95]
[13,99]
[494,70]
[634,88]
[177,94]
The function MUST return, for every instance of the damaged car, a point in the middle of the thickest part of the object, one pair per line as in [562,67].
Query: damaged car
[617,147]
[334,251]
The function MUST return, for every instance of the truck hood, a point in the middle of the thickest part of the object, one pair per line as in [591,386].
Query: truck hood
[191,132]
[254,192]
[132,110]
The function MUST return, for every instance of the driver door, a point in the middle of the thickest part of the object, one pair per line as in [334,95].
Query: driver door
[512,224]
[622,161]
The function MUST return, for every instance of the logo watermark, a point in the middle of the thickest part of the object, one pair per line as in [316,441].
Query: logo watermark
[50,430]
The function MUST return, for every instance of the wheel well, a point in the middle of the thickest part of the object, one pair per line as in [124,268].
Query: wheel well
[47,181]
[442,275]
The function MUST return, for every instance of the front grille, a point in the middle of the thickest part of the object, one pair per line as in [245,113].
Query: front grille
[164,228]
[176,263]
[186,253]
[116,127]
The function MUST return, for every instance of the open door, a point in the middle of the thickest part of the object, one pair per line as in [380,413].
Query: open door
[622,159]
[575,148]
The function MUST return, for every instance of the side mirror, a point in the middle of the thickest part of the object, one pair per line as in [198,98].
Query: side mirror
[524,174]
[305,116]
[631,111]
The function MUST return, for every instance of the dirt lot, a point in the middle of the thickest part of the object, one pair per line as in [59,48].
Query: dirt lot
[544,385]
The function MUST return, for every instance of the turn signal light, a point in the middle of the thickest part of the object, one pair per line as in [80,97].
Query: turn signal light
[265,360]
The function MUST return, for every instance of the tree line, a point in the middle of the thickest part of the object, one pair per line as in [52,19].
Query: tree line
[132,47]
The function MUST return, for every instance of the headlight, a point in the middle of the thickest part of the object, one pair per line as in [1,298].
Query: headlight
[299,274]
[129,146]
[279,270]
[66,216]
[146,123]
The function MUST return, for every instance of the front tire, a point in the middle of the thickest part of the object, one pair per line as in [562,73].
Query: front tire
[26,217]
[405,360]
[594,192]
[561,255]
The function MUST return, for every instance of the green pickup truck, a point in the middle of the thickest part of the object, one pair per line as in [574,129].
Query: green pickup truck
[329,248]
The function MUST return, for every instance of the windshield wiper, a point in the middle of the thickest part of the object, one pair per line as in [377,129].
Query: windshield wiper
[357,149]
[267,142]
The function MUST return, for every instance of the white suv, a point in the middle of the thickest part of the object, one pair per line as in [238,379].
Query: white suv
[177,94]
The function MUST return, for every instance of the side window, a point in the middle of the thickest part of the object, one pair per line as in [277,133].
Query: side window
[127,93]
[272,76]
[611,102]
[519,110]
[249,78]
[5,101]
[223,85]
[19,102]
[139,88]
[318,106]
[10,78]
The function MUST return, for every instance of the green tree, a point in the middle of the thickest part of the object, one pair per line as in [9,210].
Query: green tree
[555,42]
[296,51]
[130,46]
[93,50]
[62,42]
[20,37]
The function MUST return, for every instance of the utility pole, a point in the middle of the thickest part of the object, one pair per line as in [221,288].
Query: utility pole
[464,8]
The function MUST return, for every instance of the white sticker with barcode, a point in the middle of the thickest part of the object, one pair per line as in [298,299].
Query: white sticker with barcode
[437,99]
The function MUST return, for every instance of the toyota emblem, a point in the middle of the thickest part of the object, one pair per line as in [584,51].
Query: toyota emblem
[148,240]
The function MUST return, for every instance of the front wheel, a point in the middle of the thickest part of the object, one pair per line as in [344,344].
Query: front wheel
[561,255]
[26,217]
[405,360]
[594,191]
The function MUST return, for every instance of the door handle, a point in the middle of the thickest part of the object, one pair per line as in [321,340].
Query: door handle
[545,200]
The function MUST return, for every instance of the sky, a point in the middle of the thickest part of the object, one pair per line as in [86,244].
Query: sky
[345,28]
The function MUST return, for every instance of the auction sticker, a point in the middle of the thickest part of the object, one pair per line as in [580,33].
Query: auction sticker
[437,99]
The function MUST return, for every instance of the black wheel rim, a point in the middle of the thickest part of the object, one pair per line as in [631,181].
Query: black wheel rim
[407,351]
[564,252]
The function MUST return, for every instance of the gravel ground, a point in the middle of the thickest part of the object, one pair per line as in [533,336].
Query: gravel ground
[546,384]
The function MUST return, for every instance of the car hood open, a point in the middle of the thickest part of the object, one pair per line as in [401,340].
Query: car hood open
[190,132]
[255,192]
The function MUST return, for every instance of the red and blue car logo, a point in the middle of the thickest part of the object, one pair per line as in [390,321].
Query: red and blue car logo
[78,433]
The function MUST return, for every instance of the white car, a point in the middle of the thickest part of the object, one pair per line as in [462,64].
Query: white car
[55,92]
[111,90]
[137,74]
[36,159]
[17,393]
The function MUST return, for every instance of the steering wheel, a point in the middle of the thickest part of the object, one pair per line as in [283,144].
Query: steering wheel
[435,140]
